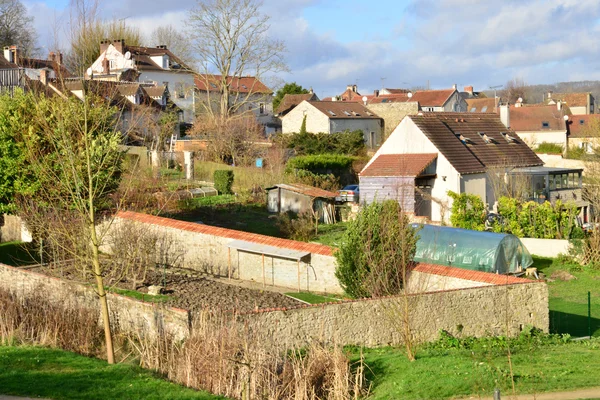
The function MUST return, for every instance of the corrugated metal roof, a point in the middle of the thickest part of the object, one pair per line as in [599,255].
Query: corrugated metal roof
[305,189]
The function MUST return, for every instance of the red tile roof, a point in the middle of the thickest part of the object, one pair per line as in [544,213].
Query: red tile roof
[398,165]
[306,190]
[244,84]
[227,233]
[477,276]
[571,99]
[476,154]
[580,126]
[433,98]
[532,118]
[343,110]
[389,98]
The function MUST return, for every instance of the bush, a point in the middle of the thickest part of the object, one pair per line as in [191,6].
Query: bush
[468,211]
[377,251]
[297,227]
[223,179]
[306,143]
[321,163]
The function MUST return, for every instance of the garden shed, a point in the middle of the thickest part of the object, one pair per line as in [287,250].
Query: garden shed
[462,248]
[299,198]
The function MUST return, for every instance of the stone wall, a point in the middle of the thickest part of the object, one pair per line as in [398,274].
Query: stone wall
[12,228]
[206,249]
[393,113]
[131,315]
[480,311]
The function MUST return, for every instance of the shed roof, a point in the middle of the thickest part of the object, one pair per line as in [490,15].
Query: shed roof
[399,165]
[305,190]
[485,141]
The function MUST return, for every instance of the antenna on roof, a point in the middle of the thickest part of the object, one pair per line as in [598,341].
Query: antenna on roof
[382,82]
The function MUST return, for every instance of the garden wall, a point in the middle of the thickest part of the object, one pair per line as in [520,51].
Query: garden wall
[546,247]
[205,248]
[132,315]
[12,228]
[481,311]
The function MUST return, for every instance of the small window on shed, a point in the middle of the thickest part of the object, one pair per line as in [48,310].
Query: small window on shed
[545,124]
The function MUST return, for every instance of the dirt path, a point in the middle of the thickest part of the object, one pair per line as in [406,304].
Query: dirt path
[590,393]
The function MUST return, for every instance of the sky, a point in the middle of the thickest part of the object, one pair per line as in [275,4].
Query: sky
[399,43]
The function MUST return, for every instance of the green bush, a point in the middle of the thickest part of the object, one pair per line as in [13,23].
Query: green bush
[549,148]
[223,179]
[306,143]
[468,211]
[321,163]
[376,252]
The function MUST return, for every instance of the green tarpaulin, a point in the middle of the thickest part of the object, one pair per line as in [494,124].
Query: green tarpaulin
[462,248]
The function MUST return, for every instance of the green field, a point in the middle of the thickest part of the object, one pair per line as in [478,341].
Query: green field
[57,374]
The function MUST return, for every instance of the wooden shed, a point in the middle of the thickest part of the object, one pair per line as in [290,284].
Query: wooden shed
[299,198]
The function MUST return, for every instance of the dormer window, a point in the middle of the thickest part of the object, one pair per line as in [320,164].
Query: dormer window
[484,109]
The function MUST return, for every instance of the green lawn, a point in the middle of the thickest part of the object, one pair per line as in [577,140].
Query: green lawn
[447,373]
[568,299]
[17,253]
[331,235]
[56,374]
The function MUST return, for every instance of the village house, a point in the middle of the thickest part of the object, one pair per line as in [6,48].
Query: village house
[155,66]
[537,124]
[444,100]
[290,101]
[429,154]
[333,117]
[583,132]
[247,94]
[582,103]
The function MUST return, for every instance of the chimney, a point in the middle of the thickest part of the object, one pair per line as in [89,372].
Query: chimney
[59,58]
[8,54]
[376,93]
[469,89]
[119,45]
[549,95]
[355,88]
[505,115]
[44,76]
[559,105]
[454,86]
[311,91]
[51,56]
[15,54]
[349,87]
[104,45]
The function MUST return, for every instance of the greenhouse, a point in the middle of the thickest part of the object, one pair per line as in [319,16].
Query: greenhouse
[480,251]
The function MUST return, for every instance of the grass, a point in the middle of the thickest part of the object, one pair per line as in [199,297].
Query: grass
[568,299]
[245,178]
[549,148]
[444,373]
[17,254]
[332,234]
[312,298]
[57,374]
[159,298]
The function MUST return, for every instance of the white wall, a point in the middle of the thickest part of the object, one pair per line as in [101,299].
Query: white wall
[546,247]
[533,139]
[407,138]
[316,121]
[176,80]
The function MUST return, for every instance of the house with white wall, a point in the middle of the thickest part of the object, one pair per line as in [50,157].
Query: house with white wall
[444,100]
[580,103]
[333,117]
[431,153]
[537,124]
[157,66]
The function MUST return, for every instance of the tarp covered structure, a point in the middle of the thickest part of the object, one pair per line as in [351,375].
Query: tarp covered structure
[462,248]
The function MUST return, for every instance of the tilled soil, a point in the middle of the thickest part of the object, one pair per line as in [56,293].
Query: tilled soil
[192,291]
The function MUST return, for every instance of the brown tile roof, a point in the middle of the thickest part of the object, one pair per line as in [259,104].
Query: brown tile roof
[389,98]
[343,110]
[580,126]
[399,165]
[481,105]
[475,155]
[34,63]
[532,118]
[397,91]
[571,99]
[350,95]
[245,84]
[432,98]
[5,64]
[227,233]
[143,60]
[290,101]
[306,190]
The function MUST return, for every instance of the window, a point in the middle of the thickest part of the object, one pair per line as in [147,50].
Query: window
[347,113]
[581,122]
[565,181]
[180,91]
[331,113]
[373,140]
[545,124]
[113,64]
[551,182]
[261,108]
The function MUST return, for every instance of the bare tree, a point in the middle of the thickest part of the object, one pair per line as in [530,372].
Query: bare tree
[88,29]
[16,27]
[175,41]
[230,38]
[514,89]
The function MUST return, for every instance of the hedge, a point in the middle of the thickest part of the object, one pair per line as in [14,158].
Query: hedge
[223,179]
